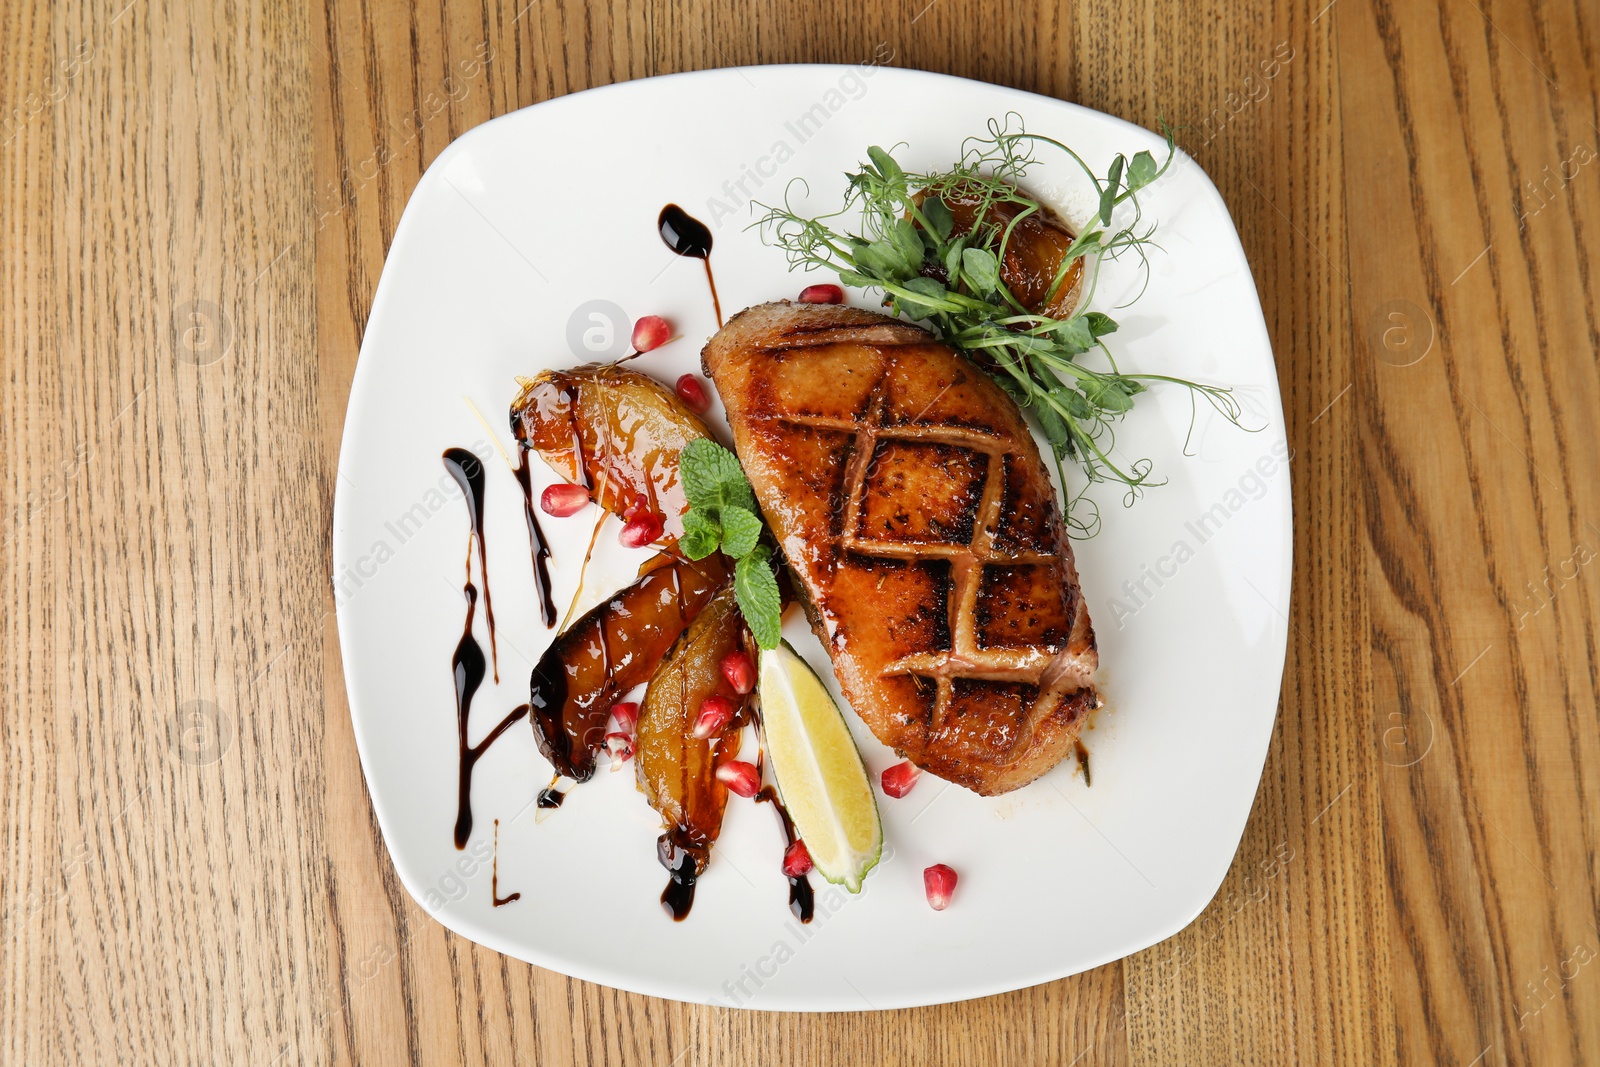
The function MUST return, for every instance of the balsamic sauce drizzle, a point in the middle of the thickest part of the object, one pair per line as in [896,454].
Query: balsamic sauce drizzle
[470,754]
[467,470]
[802,901]
[688,236]
[536,541]
[550,797]
[494,875]
[467,664]
[683,861]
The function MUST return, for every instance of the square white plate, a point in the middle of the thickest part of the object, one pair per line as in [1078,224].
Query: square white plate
[508,239]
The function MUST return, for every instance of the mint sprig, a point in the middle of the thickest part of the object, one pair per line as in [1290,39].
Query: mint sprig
[722,514]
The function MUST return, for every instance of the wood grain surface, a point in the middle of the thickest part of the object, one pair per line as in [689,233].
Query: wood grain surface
[195,203]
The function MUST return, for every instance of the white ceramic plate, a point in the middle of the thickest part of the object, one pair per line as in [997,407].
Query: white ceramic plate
[510,236]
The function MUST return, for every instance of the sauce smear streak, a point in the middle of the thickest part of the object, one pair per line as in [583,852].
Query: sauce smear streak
[802,901]
[467,664]
[467,470]
[494,875]
[536,541]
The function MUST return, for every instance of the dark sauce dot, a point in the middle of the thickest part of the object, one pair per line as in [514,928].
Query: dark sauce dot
[683,233]
[684,862]
[688,236]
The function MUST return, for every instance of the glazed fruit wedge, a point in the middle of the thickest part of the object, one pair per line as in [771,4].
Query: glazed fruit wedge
[818,771]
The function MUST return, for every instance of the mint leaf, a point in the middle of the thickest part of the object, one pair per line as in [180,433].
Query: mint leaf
[741,529]
[723,513]
[712,477]
[701,534]
[756,590]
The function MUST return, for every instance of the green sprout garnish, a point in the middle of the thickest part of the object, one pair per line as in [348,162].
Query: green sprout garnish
[908,250]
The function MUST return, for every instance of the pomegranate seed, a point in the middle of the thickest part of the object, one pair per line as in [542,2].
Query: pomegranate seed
[899,779]
[822,294]
[796,861]
[627,715]
[939,881]
[652,331]
[619,746]
[739,671]
[740,777]
[640,503]
[715,714]
[644,528]
[564,499]
[693,392]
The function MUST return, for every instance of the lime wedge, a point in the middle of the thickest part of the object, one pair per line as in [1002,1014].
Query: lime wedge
[818,770]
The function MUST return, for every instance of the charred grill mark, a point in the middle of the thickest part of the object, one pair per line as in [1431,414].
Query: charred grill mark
[975,437]
[939,613]
[1021,518]
[840,501]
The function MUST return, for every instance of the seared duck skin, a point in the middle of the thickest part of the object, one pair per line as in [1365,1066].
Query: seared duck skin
[923,530]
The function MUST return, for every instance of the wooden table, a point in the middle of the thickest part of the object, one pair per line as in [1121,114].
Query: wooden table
[195,205]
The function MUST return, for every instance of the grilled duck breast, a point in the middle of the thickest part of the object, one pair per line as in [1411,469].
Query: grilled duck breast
[919,519]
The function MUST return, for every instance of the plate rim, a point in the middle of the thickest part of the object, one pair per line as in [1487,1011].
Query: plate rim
[578,967]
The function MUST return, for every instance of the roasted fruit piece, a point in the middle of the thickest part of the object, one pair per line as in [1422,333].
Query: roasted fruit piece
[909,497]
[676,769]
[612,430]
[611,649]
[1037,244]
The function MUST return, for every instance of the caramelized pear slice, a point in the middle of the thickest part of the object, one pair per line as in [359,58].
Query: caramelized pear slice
[678,771]
[615,646]
[613,430]
[1034,251]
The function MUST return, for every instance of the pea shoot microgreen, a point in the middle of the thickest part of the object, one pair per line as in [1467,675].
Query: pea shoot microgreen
[908,248]
[723,514]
